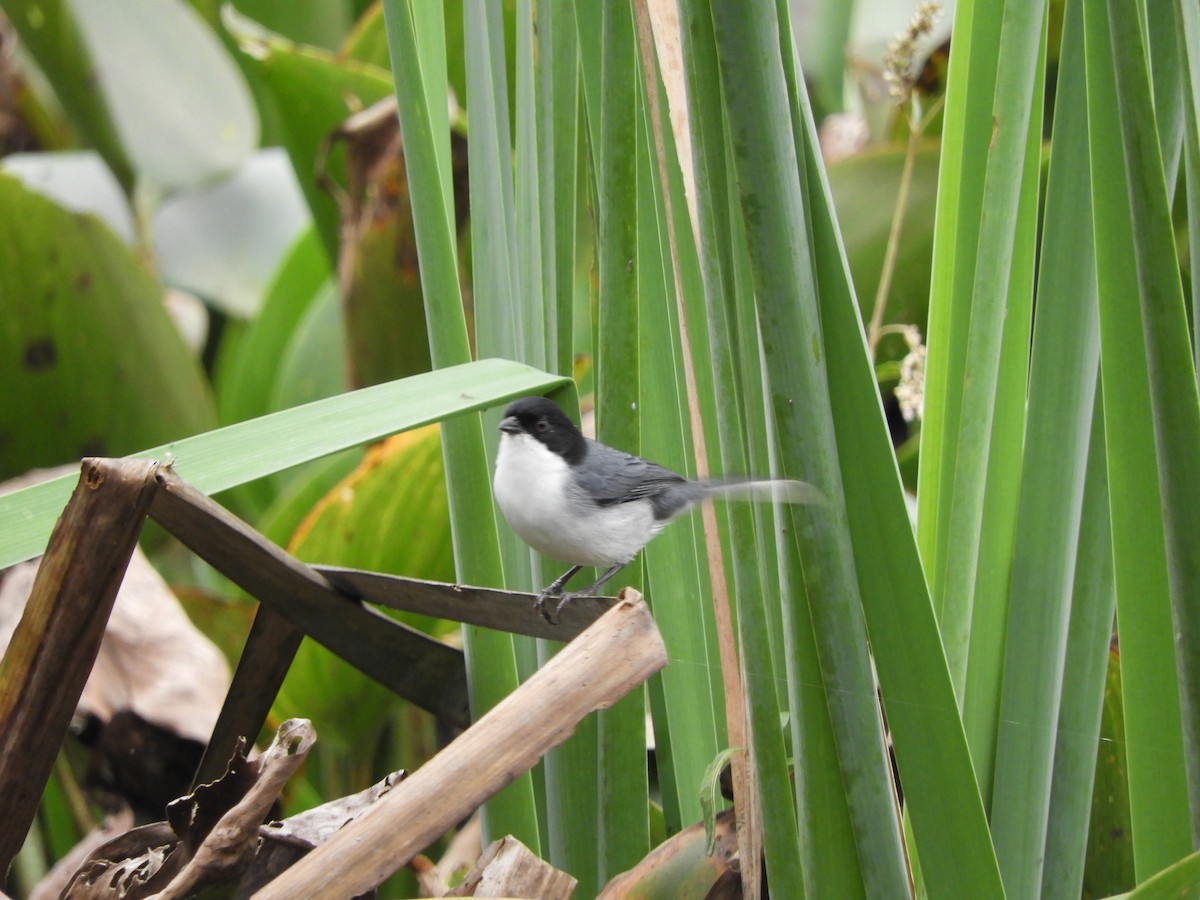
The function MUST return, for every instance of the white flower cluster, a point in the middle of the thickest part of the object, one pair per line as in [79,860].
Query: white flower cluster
[910,392]
[898,61]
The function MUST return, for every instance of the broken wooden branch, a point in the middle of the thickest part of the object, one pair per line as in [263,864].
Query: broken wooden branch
[607,661]
[233,842]
[510,869]
[415,666]
[270,648]
[55,645]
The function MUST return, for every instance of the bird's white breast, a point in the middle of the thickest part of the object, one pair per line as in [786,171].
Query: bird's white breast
[535,492]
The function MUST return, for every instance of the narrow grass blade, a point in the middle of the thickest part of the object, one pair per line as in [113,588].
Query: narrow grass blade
[1187,17]
[416,40]
[1173,395]
[942,799]
[1077,740]
[773,203]
[756,585]
[1126,270]
[621,228]
[1062,388]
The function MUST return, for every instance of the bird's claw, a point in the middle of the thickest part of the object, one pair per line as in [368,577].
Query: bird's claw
[540,604]
[555,617]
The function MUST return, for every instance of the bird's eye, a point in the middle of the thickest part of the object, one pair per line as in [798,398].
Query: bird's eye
[542,425]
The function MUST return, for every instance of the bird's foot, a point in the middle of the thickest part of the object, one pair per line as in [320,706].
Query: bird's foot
[550,593]
[541,604]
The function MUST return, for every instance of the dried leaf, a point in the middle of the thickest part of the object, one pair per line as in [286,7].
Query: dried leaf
[152,660]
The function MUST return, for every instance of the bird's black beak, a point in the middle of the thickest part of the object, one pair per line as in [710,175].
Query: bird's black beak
[510,425]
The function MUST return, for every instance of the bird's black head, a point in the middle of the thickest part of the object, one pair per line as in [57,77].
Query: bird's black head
[542,420]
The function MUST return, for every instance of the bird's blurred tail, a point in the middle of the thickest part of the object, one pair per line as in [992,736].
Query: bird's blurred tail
[764,490]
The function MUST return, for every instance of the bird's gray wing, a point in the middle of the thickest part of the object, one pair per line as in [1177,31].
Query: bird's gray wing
[610,477]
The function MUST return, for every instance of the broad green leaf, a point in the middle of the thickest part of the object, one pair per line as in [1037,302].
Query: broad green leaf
[86,346]
[178,102]
[77,180]
[314,92]
[314,365]
[224,241]
[316,24]
[247,367]
[367,41]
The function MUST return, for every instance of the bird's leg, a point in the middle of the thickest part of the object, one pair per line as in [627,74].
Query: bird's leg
[554,589]
[589,591]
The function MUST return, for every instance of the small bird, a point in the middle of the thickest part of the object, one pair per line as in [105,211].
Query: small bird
[581,502]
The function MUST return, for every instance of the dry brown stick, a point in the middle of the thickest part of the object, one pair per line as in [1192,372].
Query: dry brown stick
[266,658]
[56,642]
[502,610]
[599,667]
[233,841]
[415,666]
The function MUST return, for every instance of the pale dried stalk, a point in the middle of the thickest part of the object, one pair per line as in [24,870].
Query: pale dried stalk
[615,655]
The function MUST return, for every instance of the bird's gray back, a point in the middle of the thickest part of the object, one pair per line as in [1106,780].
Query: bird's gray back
[611,476]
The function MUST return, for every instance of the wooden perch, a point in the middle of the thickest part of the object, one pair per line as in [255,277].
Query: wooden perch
[595,670]
[511,611]
[55,644]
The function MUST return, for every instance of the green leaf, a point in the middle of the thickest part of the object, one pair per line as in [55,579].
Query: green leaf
[952,850]
[178,102]
[773,203]
[314,365]
[314,92]
[246,370]
[86,346]
[416,38]
[1109,861]
[221,459]
[1137,298]
[1062,391]
[1089,769]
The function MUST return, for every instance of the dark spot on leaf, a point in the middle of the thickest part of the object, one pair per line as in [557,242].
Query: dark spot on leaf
[40,354]
[83,281]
